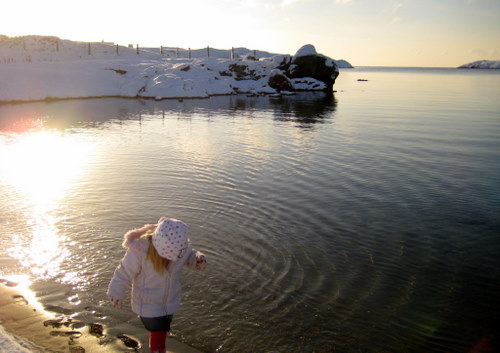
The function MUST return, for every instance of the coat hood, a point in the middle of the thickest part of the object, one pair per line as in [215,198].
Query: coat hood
[131,239]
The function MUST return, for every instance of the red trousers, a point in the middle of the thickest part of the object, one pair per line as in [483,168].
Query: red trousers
[157,341]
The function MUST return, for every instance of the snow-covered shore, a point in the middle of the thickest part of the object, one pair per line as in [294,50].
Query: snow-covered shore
[44,68]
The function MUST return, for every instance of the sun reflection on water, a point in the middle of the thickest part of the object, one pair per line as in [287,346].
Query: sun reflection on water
[43,167]
[42,249]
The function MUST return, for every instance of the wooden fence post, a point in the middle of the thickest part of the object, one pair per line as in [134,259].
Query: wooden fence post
[161,49]
[208,51]
[189,53]
[117,50]
[137,49]
[88,49]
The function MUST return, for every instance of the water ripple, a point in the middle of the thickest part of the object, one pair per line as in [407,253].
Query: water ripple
[356,230]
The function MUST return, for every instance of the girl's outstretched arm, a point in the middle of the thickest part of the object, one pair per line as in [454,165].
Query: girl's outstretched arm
[196,260]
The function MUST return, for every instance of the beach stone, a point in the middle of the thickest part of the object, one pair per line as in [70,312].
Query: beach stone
[129,341]
[96,330]
[73,334]
[56,323]
[19,299]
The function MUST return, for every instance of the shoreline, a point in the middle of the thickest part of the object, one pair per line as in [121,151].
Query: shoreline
[57,99]
[24,318]
[50,100]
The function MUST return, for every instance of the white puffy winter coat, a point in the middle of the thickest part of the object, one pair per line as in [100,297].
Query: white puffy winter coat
[153,294]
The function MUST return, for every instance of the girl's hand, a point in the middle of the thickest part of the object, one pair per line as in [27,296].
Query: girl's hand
[115,302]
[201,262]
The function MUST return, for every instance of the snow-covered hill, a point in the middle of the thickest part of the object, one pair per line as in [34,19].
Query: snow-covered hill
[482,64]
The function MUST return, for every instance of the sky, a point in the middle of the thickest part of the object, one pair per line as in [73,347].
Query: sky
[426,33]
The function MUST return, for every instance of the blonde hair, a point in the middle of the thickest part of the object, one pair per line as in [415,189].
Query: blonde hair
[159,263]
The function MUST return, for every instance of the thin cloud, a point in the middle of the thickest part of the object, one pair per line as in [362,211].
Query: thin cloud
[396,6]
[478,52]
[396,20]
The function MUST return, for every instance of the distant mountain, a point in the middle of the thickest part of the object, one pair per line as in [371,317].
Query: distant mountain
[343,64]
[482,64]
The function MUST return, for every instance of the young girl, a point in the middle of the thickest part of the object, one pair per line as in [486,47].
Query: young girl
[156,254]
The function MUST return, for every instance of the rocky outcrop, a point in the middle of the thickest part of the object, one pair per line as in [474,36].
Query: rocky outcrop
[304,70]
[307,63]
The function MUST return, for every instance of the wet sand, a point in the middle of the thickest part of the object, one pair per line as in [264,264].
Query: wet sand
[24,317]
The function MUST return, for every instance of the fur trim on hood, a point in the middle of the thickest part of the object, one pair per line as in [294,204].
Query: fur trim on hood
[130,238]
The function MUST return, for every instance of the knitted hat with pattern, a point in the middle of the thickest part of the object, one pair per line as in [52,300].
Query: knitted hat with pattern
[170,238]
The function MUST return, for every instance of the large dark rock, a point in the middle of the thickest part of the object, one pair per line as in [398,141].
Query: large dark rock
[308,63]
[279,81]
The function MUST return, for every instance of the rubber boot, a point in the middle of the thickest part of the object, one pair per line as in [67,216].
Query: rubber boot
[157,341]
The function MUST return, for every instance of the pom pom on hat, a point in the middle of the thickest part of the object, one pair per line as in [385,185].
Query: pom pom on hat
[170,238]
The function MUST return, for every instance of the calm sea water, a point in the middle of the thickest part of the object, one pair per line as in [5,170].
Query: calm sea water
[363,222]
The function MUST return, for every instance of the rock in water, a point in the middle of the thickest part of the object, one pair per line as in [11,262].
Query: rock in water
[307,63]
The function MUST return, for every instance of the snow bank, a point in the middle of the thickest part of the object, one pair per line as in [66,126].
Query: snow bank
[41,68]
[482,64]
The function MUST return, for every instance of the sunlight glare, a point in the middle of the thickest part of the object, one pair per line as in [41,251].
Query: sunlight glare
[42,251]
[43,165]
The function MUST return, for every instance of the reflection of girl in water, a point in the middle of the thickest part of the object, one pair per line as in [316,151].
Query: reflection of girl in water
[156,254]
